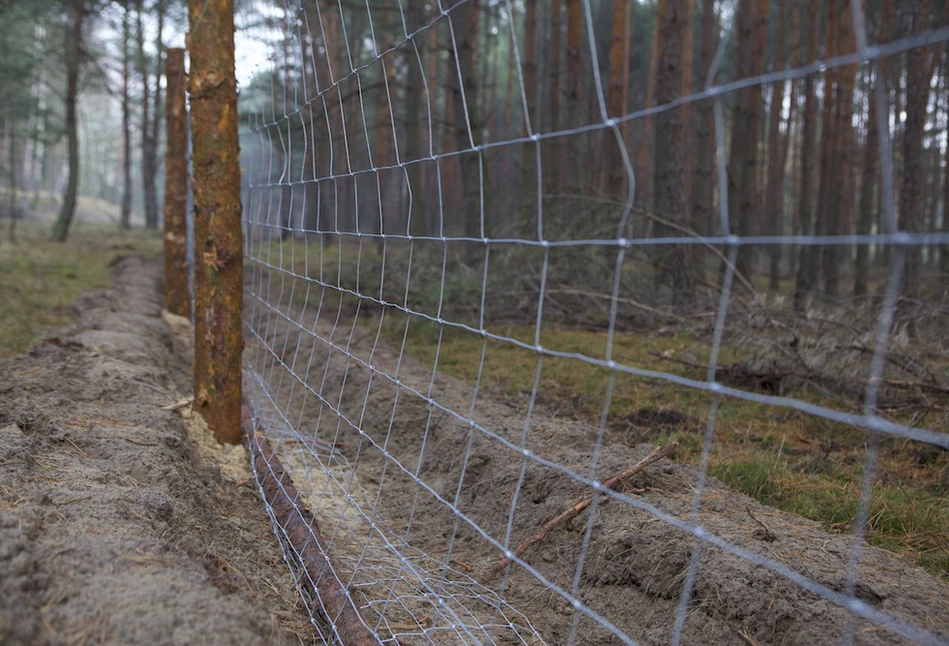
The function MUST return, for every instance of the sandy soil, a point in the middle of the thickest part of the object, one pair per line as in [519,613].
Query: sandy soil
[119,522]
[315,364]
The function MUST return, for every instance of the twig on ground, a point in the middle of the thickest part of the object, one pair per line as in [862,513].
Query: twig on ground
[179,404]
[767,534]
[578,507]
[619,299]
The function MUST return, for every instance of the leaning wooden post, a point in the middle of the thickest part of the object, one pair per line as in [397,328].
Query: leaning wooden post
[177,298]
[217,217]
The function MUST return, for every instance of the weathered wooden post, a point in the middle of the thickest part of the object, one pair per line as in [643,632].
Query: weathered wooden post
[177,298]
[218,240]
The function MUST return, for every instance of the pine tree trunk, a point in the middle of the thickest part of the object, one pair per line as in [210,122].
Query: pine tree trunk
[688,65]
[703,183]
[840,216]
[944,249]
[554,178]
[73,56]
[217,207]
[414,92]
[177,298]
[619,44]
[11,162]
[574,102]
[531,119]
[643,166]
[773,215]
[157,105]
[809,142]
[866,212]
[746,126]
[669,175]
[918,77]
[148,157]
[125,221]
[826,194]
[465,98]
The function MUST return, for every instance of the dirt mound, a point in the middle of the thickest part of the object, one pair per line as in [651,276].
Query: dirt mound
[113,528]
[328,376]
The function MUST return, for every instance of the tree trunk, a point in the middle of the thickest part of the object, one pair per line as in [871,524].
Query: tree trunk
[918,77]
[385,131]
[217,208]
[688,65]
[746,126]
[703,172]
[157,105]
[177,298]
[669,175]
[643,167]
[554,178]
[826,195]
[867,204]
[618,89]
[11,161]
[529,168]
[73,52]
[464,94]
[574,102]
[126,217]
[840,215]
[808,143]
[148,157]
[944,249]
[773,216]
[414,92]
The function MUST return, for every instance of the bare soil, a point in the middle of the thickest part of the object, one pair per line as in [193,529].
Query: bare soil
[115,526]
[315,364]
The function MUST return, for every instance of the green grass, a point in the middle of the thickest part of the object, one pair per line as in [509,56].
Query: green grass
[38,278]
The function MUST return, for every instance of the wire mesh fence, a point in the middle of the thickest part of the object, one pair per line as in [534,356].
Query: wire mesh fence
[503,256]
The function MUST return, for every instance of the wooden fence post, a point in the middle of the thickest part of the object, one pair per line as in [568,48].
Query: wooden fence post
[218,239]
[177,298]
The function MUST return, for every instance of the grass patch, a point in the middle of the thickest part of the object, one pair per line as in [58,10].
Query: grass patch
[38,278]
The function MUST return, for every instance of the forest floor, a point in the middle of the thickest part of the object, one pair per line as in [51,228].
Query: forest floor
[120,520]
[781,457]
[358,445]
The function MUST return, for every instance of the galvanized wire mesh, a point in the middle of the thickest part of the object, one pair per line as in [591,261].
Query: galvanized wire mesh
[366,230]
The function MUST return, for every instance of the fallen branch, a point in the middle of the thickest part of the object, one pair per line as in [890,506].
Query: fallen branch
[578,507]
[304,536]
[619,299]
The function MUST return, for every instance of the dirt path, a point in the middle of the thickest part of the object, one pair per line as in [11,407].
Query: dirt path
[113,527]
[333,380]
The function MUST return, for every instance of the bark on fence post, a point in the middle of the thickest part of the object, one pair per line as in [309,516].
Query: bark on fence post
[177,298]
[217,217]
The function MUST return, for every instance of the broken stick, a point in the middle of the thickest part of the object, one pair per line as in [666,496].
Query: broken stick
[578,507]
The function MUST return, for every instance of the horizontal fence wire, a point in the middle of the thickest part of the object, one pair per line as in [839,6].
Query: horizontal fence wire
[475,265]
